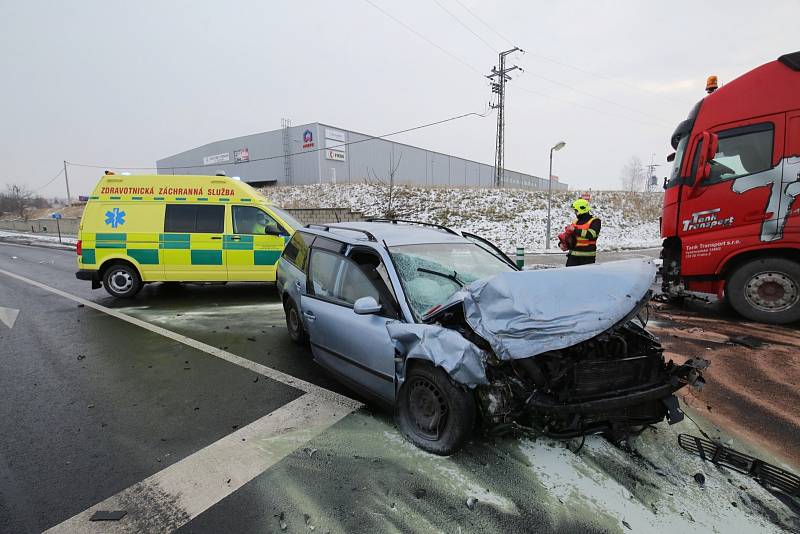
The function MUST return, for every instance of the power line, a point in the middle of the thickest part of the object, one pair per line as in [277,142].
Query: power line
[470,30]
[590,108]
[53,179]
[468,10]
[565,64]
[418,34]
[369,138]
[556,82]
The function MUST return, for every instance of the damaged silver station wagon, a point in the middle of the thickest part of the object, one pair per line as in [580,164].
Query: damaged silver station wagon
[441,325]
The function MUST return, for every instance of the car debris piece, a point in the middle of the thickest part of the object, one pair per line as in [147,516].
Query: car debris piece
[747,341]
[472,502]
[764,473]
[700,478]
[106,515]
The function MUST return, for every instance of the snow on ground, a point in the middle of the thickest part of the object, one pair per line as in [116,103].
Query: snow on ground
[508,217]
[39,239]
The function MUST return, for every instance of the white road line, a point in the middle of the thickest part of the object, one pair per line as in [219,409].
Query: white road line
[179,493]
[269,372]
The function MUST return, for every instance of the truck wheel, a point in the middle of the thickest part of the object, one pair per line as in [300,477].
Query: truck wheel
[122,281]
[432,412]
[294,323]
[766,290]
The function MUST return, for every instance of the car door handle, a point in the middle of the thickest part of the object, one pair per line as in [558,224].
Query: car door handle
[216,237]
[236,238]
[309,315]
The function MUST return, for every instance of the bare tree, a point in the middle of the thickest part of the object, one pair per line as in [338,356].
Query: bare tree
[390,181]
[633,175]
[17,199]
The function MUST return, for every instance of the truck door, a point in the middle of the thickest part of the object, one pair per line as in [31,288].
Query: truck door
[253,249]
[737,205]
[790,206]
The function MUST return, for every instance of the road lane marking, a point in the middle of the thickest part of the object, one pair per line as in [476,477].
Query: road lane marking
[269,372]
[177,494]
[8,316]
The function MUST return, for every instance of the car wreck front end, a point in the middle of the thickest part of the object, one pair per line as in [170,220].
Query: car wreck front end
[562,352]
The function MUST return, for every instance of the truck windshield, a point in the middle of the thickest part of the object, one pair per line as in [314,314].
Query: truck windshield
[675,176]
[430,273]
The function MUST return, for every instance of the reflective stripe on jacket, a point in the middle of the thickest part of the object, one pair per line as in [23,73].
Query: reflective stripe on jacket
[586,234]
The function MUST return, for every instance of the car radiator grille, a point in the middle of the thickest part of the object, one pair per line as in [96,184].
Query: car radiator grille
[595,377]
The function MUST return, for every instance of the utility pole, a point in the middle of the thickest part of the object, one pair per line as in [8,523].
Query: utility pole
[651,183]
[66,179]
[499,77]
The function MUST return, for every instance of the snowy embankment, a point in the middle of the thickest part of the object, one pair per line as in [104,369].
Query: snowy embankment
[508,217]
[44,240]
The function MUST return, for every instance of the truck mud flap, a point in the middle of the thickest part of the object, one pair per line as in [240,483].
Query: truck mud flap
[766,474]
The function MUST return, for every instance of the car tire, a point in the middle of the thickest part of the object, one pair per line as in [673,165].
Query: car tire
[122,281]
[766,290]
[294,323]
[433,412]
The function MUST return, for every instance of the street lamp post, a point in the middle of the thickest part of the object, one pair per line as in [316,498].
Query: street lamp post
[557,146]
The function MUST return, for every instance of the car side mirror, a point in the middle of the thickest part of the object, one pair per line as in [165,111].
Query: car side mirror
[367,306]
[709,144]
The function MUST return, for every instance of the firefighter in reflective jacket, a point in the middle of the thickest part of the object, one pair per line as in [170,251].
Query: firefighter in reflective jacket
[585,230]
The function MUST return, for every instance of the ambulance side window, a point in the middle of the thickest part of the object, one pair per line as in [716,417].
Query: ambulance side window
[250,220]
[187,218]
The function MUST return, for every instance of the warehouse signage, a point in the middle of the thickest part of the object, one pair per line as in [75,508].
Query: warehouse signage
[217,158]
[241,155]
[335,155]
[335,145]
[308,139]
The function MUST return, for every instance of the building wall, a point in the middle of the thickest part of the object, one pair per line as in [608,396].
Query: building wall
[364,159]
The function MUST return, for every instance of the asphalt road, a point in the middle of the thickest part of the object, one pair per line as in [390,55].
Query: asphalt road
[189,409]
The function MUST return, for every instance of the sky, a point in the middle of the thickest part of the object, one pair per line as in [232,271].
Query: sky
[126,83]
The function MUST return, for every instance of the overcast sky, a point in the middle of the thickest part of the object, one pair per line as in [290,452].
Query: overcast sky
[127,83]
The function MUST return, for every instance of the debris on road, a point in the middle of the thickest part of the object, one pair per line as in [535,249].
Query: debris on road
[420,493]
[105,515]
[472,502]
[747,341]
[765,474]
[700,478]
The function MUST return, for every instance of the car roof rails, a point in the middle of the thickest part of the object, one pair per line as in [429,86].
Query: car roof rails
[407,221]
[327,228]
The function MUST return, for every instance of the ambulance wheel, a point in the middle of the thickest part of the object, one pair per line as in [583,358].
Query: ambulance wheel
[434,413]
[294,323]
[122,281]
[766,290]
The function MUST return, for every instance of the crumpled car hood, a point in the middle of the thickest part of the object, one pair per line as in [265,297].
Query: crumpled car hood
[522,314]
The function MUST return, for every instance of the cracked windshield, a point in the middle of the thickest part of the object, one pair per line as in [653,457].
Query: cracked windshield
[431,273]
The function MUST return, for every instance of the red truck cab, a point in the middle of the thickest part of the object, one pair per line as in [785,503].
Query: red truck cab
[731,219]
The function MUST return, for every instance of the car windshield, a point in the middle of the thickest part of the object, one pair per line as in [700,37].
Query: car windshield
[288,219]
[430,273]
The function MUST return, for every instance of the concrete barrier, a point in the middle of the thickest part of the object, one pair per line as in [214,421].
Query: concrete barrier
[70,226]
[42,226]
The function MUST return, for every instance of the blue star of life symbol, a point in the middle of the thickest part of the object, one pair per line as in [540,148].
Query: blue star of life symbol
[115,218]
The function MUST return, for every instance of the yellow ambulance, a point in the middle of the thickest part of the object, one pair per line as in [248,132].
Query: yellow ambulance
[165,228]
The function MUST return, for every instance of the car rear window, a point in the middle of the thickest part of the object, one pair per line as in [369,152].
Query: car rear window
[296,251]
